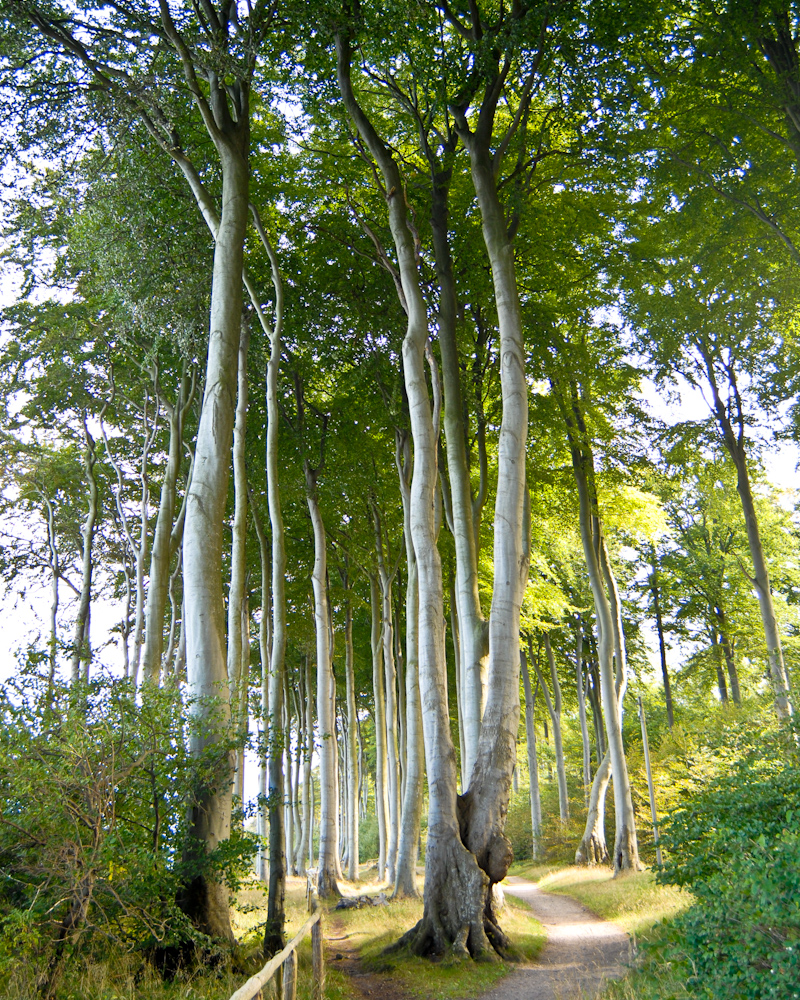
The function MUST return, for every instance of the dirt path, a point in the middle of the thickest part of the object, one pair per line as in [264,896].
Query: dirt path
[581,953]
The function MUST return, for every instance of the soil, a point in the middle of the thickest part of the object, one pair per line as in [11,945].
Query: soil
[343,955]
[582,950]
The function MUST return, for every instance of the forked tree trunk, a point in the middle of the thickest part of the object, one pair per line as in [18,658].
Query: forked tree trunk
[455,886]
[473,632]
[485,805]
[626,853]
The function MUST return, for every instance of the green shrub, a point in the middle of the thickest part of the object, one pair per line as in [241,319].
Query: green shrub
[736,847]
[94,794]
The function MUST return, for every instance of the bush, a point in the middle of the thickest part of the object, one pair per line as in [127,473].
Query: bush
[94,795]
[736,847]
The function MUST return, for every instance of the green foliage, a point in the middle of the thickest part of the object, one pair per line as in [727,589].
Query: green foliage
[94,790]
[736,846]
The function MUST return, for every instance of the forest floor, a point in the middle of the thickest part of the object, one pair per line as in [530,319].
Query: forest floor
[570,927]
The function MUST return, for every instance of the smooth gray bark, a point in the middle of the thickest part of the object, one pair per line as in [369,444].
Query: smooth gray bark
[236,589]
[411,816]
[352,749]
[554,710]
[328,864]
[455,886]
[386,575]
[166,534]
[379,718]
[533,764]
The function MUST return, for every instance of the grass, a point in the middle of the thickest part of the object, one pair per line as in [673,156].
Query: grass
[374,930]
[633,900]
[366,932]
[637,904]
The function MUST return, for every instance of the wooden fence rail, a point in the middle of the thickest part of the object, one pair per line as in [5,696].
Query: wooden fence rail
[284,966]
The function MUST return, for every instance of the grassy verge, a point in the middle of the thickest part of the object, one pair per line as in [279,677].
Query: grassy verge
[632,900]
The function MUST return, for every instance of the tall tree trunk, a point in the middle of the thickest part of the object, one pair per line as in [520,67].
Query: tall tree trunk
[352,750]
[473,632]
[662,649]
[485,805]
[734,440]
[206,899]
[411,816]
[264,647]
[533,764]
[80,648]
[385,576]
[328,855]
[581,692]
[274,937]
[609,642]
[381,795]
[236,589]
[164,541]
[554,710]
[455,886]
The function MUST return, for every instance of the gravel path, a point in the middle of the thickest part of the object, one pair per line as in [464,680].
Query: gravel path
[581,953]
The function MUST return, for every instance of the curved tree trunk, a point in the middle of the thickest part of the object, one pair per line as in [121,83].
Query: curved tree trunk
[473,633]
[264,646]
[626,853]
[411,816]
[592,849]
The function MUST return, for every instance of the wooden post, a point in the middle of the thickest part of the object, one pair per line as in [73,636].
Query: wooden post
[318,961]
[650,788]
[278,979]
[290,977]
